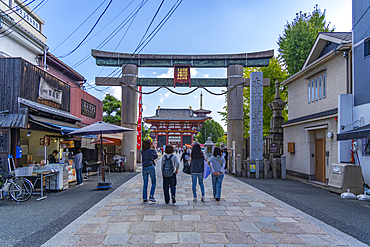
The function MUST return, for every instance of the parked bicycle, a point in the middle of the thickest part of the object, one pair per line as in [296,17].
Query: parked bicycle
[20,189]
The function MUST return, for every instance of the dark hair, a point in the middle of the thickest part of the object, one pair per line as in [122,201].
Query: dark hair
[55,152]
[216,151]
[196,152]
[146,144]
[169,149]
[78,150]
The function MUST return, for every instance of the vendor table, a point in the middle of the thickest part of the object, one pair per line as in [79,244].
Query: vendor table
[42,175]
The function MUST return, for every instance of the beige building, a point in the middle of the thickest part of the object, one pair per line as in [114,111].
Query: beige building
[310,143]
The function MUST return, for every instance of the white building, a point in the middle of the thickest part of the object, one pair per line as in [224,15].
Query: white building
[21,32]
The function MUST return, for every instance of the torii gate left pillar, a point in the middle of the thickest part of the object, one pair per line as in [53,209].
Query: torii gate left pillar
[129,115]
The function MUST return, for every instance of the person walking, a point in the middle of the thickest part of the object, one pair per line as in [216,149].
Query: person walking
[148,155]
[77,160]
[217,163]
[185,157]
[170,167]
[196,170]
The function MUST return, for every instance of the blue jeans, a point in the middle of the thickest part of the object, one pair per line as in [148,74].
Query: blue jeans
[150,170]
[217,185]
[79,175]
[194,177]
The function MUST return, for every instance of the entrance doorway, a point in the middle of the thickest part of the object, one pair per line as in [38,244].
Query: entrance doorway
[320,160]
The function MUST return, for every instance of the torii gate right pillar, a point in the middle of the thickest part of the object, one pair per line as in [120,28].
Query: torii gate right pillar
[235,118]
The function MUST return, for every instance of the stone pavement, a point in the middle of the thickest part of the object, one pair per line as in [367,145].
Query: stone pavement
[244,216]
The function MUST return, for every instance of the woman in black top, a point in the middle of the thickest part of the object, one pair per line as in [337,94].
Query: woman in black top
[148,156]
[196,170]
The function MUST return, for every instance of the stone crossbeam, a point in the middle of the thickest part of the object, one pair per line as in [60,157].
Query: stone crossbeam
[168,82]
[254,59]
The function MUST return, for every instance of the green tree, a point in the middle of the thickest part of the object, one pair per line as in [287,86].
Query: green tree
[211,129]
[298,37]
[222,139]
[275,72]
[145,132]
[111,109]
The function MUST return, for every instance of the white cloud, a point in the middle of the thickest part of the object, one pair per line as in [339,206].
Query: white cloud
[116,92]
[193,72]
[206,75]
[169,74]
[154,73]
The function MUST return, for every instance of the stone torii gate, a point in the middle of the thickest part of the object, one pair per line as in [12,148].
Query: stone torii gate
[234,82]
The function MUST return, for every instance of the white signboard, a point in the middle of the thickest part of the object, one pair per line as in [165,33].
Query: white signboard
[22,12]
[49,93]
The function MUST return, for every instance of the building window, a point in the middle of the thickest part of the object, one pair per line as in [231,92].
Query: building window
[324,85]
[320,90]
[366,48]
[313,91]
[317,88]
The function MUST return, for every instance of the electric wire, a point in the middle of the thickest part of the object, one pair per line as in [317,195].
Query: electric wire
[151,35]
[146,42]
[21,19]
[79,26]
[111,35]
[17,7]
[355,25]
[69,53]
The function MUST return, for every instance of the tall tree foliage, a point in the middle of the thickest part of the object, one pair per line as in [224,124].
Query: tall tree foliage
[275,72]
[298,37]
[211,129]
[111,109]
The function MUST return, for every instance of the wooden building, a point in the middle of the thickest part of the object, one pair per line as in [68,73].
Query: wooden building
[176,127]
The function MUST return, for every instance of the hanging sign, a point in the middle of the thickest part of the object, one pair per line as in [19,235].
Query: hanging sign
[273,148]
[48,92]
[138,144]
[182,74]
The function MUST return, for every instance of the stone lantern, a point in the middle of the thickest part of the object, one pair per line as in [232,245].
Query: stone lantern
[208,147]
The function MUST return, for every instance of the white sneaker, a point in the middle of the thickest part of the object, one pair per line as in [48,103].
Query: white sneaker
[195,199]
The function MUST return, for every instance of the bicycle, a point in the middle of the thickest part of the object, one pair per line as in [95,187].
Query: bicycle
[20,189]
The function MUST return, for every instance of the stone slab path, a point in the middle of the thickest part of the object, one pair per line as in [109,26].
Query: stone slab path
[244,216]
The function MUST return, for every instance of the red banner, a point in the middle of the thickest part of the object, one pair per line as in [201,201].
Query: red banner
[139,121]
[181,75]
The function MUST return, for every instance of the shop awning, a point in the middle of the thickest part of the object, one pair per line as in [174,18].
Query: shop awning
[13,121]
[64,127]
[361,132]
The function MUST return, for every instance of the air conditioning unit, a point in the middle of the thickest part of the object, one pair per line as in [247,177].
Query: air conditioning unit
[344,176]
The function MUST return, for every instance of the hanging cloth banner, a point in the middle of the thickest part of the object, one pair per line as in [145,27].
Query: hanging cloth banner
[138,145]
[181,75]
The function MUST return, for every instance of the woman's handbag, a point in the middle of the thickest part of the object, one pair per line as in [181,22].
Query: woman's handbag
[186,168]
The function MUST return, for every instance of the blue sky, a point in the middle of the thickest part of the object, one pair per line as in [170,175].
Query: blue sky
[196,27]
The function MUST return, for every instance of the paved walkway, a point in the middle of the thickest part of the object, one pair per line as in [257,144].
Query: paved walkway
[244,216]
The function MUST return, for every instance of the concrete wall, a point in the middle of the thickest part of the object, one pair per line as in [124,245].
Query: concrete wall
[335,82]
